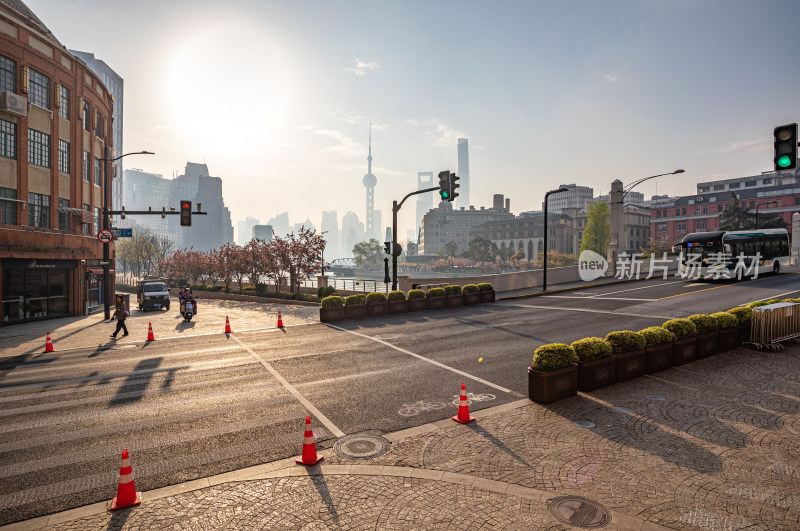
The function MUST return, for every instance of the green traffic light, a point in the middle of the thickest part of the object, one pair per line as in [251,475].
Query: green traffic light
[785,161]
[443,194]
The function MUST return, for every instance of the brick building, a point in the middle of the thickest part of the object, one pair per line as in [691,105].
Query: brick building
[55,127]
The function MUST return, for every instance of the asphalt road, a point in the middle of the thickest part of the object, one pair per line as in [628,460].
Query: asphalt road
[204,404]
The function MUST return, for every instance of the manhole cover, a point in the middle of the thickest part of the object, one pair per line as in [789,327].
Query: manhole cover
[583,423]
[361,446]
[579,512]
[623,410]
[654,397]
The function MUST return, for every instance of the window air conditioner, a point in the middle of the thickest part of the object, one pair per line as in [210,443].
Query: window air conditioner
[13,103]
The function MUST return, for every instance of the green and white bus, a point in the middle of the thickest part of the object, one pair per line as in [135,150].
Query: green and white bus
[733,254]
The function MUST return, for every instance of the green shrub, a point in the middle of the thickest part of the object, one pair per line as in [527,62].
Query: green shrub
[773,301]
[743,314]
[355,300]
[332,301]
[485,286]
[682,328]
[326,291]
[791,300]
[655,336]
[725,320]
[436,292]
[625,341]
[376,297]
[416,294]
[592,349]
[553,357]
[396,295]
[470,288]
[757,304]
[704,323]
[453,289]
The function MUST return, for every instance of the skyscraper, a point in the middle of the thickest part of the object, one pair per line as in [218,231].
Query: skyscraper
[245,233]
[462,201]
[330,232]
[369,182]
[424,201]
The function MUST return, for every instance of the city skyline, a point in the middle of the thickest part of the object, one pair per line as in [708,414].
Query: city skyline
[577,92]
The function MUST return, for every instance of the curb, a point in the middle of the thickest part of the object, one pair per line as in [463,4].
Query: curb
[576,288]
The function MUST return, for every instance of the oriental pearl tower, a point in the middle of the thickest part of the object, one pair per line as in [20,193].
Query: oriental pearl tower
[369,182]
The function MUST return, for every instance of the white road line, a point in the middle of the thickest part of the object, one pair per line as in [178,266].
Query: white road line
[596,298]
[771,297]
[303,400]
[423,358]
[607,312]
[631,289]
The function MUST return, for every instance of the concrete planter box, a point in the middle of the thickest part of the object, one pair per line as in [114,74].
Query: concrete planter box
[546,387]
[398,307]
[327,315]
[685,351]
[595,374]
[728,339]
[744,333]
[472,298]
[356,311]
[416,305]
[375,309]
[487,296]
[454,301]
[436,303]
[659,358]
[630,365]
[706,345]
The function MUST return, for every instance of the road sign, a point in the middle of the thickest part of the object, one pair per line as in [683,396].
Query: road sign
[105,236]
[122,233]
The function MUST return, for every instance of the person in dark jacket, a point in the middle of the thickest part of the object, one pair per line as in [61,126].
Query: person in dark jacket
[120,315]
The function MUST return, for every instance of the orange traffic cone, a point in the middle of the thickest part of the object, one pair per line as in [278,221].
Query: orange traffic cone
[150,336]
[48,346]
[463,408]
[126,490]
[310,456]
[280,321]
[227,325]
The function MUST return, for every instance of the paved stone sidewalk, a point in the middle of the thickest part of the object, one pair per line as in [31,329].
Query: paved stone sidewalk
[708,445]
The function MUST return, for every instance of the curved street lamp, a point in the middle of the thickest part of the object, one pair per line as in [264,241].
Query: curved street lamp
[640,181]
[774,202]
[106,252]
[544,272]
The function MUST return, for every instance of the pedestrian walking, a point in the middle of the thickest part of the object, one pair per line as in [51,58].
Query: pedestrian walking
[121,314]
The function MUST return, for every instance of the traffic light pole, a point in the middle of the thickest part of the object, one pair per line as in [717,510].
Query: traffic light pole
[395,209]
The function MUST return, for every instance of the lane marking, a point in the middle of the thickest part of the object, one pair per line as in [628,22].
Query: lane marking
[423,358]
[608,312]
[596,298]
[632,289]
[303,400]
[739,283]
[771,297]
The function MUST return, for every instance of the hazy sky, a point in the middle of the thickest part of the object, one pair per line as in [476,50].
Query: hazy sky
[276,97]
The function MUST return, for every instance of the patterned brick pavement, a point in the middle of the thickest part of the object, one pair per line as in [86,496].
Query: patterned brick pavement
[708,445]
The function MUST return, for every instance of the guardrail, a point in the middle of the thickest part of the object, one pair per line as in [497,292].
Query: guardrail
[355,284]
[773,324]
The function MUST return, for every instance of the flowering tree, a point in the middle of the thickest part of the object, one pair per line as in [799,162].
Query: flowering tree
[305,254]
[278,260]
[225,259]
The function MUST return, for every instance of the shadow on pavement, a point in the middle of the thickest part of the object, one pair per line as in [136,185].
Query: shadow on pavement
[482,432]
[322,487]
[118,519]
[135,383]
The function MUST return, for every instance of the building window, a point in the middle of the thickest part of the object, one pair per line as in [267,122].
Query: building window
[797,200]
[63,214]
[749,184]
[63,111]
[98,127]
[38,148]
[680,226]
[8,139]
[684,211]
[97,174]
[8,209]
[696,210]
[767,181]
[701,224]
[658,213]
[63,156]
[85,165]
[96,220]
[718,187]
[39,90]
[86,121]
[734,185]
[8,74]
[703,189]
[86,226]
[705,210]
[38,210]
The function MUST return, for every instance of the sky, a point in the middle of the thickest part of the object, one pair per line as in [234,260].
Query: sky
[276,97]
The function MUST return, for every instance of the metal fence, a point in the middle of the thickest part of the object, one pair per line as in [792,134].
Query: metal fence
[355,284]
[774,323]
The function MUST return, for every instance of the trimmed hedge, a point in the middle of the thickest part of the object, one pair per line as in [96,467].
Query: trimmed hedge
[704,323]
[682,328]
[355,300]
[436,292]
[743,314]
[553,357]
[485,286]
[625,341]
[376,297]
[332,301]
[592,349]
[470,288]
[326,291]
[396,295]
[453,289]
[725,320]
[757,304]
[655,336]
[416,294]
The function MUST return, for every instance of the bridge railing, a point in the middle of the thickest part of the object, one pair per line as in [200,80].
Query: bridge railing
[355,284]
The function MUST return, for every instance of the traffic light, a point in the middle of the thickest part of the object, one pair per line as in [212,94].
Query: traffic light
[444,185]
[785,147]
[398,250]
[186,213]
[453,185]
[387,247]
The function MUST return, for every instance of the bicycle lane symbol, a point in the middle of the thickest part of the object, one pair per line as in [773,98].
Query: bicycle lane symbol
[421,406]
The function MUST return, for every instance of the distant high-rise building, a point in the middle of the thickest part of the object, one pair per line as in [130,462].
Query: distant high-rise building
[115,85]
[280,224]
[462,201]
[245,232]
[142,191]
[330,232]
[306,224]
[369,182]
[262,232]
[388,235]
[209,231]
[352,232]
[575,197]
[424,201]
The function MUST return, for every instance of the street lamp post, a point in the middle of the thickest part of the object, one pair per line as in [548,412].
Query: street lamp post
[106,251]
[544,272]
[764,204]
[640,181]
